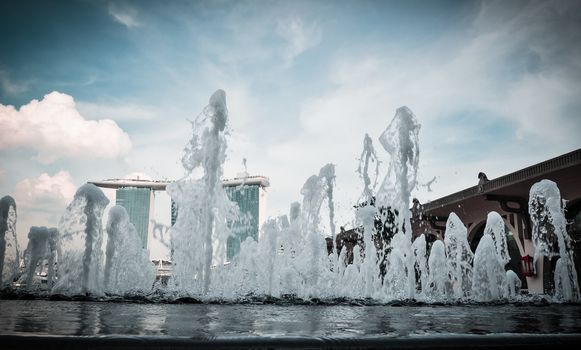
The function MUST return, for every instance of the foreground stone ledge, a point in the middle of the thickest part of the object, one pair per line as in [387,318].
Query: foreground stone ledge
[489,341]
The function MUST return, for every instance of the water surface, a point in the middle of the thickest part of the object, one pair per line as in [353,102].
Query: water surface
[41,317]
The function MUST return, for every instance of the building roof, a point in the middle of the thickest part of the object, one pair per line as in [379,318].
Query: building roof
[262,181]
[161,185]
[565,170]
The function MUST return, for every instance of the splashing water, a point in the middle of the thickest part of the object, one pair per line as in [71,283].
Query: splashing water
[438,283]
[292,257]
[201,228]
[550,237]
[421,262]
[127,265]
[327,174]
[513,284]
[401,141]
[9,251]
[54,252]
[495,227]
[490,282]
[368,155]
[81,239]
[459,257]
[35,251]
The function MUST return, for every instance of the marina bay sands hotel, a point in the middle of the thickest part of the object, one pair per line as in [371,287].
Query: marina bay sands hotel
[137,197]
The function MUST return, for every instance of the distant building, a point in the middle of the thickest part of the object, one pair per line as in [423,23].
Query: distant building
[137,197]
[508,195]
[139,203]
[249,194]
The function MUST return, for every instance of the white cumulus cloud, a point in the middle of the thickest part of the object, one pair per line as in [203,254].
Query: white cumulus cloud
[41,201]
[299,36]
[54,128]
[126,16]
[44,191]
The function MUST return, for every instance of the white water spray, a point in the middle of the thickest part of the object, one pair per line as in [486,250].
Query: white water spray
[550,237]
[127,265]
[9,250]
[81,237]
[459,257]
[200,233]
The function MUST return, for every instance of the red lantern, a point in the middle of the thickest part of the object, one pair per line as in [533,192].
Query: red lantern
[528,266]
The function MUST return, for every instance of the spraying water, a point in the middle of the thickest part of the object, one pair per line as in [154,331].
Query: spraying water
[127,265]
[513,284]
[35,251]
[291,257]
[495,227]
[314,191]
[438,283]
[459,257]
[368,155]
[9,252]
[54,252]
[327,173]
[550,237]
[490,280]
[401,141]
[201,227]
[421,262]
[81,240]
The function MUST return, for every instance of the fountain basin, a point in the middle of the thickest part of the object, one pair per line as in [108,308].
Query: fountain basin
[34,323]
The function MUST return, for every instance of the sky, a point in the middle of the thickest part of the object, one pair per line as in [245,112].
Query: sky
[92,90]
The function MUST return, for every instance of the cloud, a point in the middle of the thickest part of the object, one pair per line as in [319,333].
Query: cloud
[298,35]
[9,86]
[477,95]
[124,15]
[488,70]
[44,191]
[115,111]
[54,128]
[41,200]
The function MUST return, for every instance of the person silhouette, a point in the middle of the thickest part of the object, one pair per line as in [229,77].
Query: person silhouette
[482,179]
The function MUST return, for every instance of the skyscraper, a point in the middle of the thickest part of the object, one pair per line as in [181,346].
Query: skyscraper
[139,205]
[249,194]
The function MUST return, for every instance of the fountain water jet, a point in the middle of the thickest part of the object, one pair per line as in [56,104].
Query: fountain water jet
[291,256]
[513,284]
[551,239]
[205,209]
[81,239]
[401,141]
[368,155]
[9,251]
[421,262]
[490,279]
[127,265]
[459,257]
[327,173]
[438,282]
[36,250]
